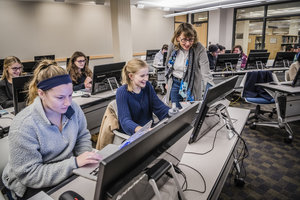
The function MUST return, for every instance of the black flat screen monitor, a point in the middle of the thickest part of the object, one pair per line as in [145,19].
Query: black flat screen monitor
[226,61]
[68,59]
[29,66]
[19,92]
[117,170]
[150,54]
[165,58]
[48,57]
[1,65]
[284,59]
[257,60]
[101,74]
[213,94]
[258,50]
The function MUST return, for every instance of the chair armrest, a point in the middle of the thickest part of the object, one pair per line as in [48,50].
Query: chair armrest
[119,137]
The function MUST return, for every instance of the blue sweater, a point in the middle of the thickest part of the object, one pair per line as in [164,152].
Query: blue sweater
[136,109]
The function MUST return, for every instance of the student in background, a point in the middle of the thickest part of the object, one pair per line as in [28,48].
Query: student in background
[79,71]
[49,138]
[12,67]
[212,54]
[294,68]
[243,57]
[289,48]
[187,66]
[221,48]
[136,98]
[158,59]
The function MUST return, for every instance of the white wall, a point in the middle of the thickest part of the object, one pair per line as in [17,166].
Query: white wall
[150,30]
[220,27]
[39,28]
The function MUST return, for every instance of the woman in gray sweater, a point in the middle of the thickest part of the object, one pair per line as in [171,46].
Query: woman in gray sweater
[187,67]
[49,138]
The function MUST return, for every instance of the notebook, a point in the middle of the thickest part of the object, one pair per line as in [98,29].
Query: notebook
[90,171]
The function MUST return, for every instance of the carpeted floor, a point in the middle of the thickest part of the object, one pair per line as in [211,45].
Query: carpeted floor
[273,166]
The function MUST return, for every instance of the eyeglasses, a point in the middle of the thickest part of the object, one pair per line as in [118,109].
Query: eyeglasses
[16,68]
[185,40]
[80,61]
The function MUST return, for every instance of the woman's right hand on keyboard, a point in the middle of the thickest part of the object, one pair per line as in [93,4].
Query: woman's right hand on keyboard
[87,158]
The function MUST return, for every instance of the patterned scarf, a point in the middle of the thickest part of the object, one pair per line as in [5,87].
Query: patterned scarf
[187,83]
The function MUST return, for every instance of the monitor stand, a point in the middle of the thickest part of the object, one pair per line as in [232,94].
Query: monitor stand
[157,171]
[112,80]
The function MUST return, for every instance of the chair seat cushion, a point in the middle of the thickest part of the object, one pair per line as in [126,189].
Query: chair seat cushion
[259,100]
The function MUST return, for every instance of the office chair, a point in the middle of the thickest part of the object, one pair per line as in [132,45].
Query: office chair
[287,75]
[3,161]
[256,95]
[108,133]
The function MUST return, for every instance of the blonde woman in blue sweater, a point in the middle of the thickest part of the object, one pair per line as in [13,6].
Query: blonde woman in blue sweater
[136,98]
[49,138]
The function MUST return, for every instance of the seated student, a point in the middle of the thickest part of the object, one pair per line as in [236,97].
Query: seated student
[243,57]
[136,98]
[49,138]
[221,48]
[79,71]
[294,68]
[212,54]
[12,67]
[159,56]
[289,48]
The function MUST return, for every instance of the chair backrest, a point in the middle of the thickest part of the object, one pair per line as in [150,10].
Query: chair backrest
[251,78]
[287,76]
[4,156]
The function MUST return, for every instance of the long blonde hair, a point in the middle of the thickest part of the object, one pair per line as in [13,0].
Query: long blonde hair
[8,61]
[132,66]
[45,69]
[188,31]
[73,69]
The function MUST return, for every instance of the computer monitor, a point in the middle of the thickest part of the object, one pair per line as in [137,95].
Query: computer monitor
[257,60]
[284,59]
[150,54]
[68,59]
[20,92]
[101,74]
[226,61]
[1,65]
[39,58]
[258,50]
[213,94]
[117,170]
[29,66]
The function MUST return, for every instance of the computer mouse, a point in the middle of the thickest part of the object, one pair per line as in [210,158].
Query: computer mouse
[70,195]
[85,95]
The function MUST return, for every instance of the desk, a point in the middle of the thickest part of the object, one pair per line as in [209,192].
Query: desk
[287,101]
[214,166]
[220,76]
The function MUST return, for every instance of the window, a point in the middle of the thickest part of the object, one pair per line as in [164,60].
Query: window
[246,13]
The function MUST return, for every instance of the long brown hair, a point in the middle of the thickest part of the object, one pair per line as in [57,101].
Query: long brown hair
[73,69]
[132,66]
[188,31]
[8,61]
[45,69]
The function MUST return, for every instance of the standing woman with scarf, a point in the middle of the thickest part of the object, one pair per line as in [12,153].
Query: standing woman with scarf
[187,66]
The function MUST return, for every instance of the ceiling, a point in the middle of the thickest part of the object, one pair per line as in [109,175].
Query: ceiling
[174,5]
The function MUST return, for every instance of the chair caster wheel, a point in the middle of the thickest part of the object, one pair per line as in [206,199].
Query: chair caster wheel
[239,182]
[252,126]
[288,140]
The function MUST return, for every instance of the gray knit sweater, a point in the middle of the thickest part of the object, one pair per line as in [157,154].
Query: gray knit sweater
[41,155]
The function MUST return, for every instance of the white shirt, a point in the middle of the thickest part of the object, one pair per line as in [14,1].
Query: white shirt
[180,62]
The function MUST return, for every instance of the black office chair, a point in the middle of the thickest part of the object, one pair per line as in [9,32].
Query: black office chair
[257,95]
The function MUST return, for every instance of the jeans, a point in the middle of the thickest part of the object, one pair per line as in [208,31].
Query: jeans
[174,93]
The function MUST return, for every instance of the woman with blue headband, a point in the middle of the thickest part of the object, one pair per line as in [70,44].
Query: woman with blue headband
[49,138]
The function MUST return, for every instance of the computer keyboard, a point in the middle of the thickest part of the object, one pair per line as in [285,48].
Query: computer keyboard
[95,172]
